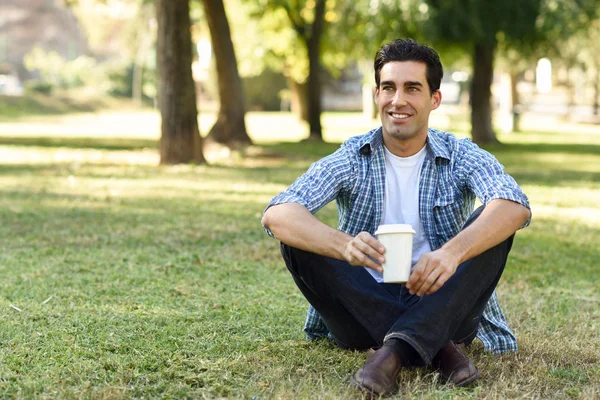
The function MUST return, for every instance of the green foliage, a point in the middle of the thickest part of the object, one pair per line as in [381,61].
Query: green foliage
[354,31]
[120,77]
[120,81]
[561,19]
[249,38]
[36,86]
[48,64]
[479,21]
[525,30]
[121,33]
[281,25]
[263,92]
[56,72]
[280,46]
[363,26]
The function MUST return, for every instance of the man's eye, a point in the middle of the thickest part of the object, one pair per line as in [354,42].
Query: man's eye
[413,89]
[388,88]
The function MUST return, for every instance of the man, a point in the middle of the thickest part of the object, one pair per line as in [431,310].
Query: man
[404,172]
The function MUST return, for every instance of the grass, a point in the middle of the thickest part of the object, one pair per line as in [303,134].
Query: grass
[124,280]
[38,104]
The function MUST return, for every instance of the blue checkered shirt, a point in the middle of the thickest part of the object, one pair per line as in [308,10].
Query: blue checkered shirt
[454,173]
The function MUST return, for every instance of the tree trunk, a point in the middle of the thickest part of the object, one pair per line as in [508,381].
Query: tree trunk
[313,44]
[138,70]
[481,94]
[230,128]
[137,82]
[570,88]
[298,99]
[597,90]
[517,109]
[180,140]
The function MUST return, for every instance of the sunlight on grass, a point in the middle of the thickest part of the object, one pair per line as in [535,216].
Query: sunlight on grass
[41,155]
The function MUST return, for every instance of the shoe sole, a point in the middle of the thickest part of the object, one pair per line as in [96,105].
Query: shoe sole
[469,380]
[369,391]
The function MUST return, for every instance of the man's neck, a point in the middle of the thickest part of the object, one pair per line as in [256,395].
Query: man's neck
[404,148]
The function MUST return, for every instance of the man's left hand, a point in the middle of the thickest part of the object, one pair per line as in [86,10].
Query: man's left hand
[431,272]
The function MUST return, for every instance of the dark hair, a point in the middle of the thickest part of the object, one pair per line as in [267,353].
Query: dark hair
[410,50]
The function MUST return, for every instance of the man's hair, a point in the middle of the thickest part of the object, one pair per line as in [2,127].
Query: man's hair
[410,50]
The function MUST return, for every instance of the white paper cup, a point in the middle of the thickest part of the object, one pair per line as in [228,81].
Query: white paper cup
[397,240]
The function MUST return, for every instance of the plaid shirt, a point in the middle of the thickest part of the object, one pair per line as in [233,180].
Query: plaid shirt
[454,173]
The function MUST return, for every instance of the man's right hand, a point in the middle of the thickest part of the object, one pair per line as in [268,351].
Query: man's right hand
[366,251]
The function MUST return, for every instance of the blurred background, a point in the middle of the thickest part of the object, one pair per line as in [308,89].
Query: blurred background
[519,63]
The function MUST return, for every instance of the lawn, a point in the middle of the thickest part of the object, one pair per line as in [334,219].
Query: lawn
[121,279]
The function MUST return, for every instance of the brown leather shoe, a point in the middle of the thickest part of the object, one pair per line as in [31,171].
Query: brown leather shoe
[454,366]
[378,375]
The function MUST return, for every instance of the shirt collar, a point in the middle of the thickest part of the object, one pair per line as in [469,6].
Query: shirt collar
[435,143]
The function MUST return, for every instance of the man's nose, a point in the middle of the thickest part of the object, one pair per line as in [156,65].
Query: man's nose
[399,99]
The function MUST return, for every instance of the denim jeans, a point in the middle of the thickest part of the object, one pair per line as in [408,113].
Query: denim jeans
[361,313]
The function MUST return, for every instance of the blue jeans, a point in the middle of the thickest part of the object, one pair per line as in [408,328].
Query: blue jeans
[361,313]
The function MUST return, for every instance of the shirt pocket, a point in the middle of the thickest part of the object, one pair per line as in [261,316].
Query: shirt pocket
[448,216]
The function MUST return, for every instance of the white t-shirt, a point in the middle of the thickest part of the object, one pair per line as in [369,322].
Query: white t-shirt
[401,199]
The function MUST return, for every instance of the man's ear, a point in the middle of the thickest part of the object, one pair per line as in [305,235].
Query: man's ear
[376,92]
[436,99]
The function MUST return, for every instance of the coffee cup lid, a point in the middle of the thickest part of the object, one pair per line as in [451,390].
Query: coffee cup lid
[394,228]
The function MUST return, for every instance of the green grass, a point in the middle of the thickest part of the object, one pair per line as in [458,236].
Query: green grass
[137,281]
[16,107]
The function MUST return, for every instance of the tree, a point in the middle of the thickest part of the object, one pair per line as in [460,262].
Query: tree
[330,34]
[570,30]
[230,127]
[299,52]
[281,48]
[592,59]
[308,20]
[180,140]
[477,24]
[518,24]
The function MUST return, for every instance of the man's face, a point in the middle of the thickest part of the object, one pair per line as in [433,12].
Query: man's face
[404,101]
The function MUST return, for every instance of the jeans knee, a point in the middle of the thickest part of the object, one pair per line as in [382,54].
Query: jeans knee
[287,252]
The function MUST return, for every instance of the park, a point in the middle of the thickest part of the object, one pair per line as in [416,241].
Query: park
[123,276]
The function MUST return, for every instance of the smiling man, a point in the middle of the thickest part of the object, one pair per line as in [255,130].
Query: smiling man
[403,173]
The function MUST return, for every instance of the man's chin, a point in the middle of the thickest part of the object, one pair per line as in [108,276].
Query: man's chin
[401,134]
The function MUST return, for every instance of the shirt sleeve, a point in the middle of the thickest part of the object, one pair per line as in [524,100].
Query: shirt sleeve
[488,180]
[319,185]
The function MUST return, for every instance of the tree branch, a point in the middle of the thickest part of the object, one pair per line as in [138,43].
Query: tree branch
[300,28]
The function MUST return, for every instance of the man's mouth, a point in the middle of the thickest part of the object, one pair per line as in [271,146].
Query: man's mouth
[399,115]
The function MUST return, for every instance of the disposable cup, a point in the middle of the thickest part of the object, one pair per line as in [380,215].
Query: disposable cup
[397,240]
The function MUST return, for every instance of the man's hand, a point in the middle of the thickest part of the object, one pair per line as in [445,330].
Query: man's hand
[431,272]
[364,250]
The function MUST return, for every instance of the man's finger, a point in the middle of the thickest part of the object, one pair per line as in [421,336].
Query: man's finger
[361,259]
[368,249]
[415,273]
[429,282]
[426,266]
[438,283]
[372,241]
